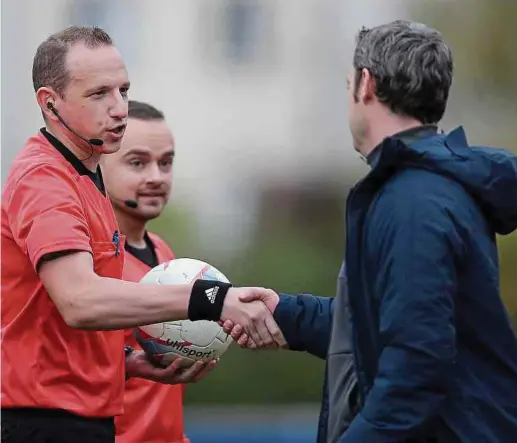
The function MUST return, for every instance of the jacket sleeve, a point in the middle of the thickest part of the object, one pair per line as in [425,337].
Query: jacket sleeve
[305,321]
[414,255]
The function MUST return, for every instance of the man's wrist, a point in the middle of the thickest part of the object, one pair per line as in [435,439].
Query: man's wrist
[207,300]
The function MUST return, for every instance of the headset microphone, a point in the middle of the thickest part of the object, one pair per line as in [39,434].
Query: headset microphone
[93,142]
[133,204]
[130,203]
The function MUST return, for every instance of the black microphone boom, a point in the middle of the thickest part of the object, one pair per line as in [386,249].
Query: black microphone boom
[92,141]
[131,204]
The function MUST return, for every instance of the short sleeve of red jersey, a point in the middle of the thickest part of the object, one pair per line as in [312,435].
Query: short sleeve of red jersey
[45,213]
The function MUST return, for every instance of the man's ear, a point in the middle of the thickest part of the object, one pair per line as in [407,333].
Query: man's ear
[368,86]
[47,100]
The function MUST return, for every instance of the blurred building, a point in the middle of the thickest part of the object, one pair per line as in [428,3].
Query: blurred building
[254,91]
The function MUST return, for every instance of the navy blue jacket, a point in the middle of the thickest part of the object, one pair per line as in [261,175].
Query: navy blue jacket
[434,351]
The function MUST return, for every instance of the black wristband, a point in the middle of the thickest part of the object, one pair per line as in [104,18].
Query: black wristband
[207,299]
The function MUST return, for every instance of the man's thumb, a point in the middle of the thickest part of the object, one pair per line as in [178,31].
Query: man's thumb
[250,296]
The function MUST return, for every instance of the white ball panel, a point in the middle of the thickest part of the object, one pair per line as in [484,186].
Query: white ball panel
[200,340]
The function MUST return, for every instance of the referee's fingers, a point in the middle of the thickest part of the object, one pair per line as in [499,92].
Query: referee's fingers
[204,371]
[171,370]
[227,326]
[236,332]
[188,374]
[243,340]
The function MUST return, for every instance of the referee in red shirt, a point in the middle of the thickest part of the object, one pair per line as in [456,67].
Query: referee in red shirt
[138,180]
[63,301]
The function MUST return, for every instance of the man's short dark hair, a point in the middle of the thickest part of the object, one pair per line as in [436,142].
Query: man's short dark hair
[49,67]
[144,111]
[412,67]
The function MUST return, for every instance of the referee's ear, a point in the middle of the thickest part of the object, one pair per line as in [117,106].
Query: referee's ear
[44,96]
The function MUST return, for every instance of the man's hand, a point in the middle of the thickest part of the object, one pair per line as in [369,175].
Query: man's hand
[239,332]
[139,366]
[251,309]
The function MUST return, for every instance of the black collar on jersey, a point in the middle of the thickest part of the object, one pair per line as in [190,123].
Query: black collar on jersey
[146,255]
[77,164]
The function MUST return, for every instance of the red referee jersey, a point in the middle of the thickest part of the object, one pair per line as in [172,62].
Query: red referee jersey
[50,204]
[153,412]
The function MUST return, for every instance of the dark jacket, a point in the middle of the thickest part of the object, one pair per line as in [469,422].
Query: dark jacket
[434,351]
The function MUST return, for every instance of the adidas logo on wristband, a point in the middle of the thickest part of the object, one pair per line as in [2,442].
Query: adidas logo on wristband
[207,300]
[211,293]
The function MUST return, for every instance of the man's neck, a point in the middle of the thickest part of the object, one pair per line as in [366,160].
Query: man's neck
[386,127]
[85,153]
[132,228]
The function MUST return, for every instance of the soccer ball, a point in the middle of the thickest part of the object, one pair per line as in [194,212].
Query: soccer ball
[190,340]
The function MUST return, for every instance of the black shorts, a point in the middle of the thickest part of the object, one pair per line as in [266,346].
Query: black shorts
[34,425]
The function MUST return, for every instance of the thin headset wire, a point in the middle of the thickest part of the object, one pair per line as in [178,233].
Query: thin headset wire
[90,156]
[92,150]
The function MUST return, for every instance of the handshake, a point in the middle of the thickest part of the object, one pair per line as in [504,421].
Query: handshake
[247,316]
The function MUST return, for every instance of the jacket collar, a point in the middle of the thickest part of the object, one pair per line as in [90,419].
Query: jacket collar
[407,137]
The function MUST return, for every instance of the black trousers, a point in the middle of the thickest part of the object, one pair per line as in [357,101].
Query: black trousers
[34,425]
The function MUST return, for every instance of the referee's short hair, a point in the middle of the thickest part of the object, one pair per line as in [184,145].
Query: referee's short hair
[49,68]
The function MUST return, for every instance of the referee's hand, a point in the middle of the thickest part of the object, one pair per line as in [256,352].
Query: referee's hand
[139,366]
[251,309]
[243,335]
